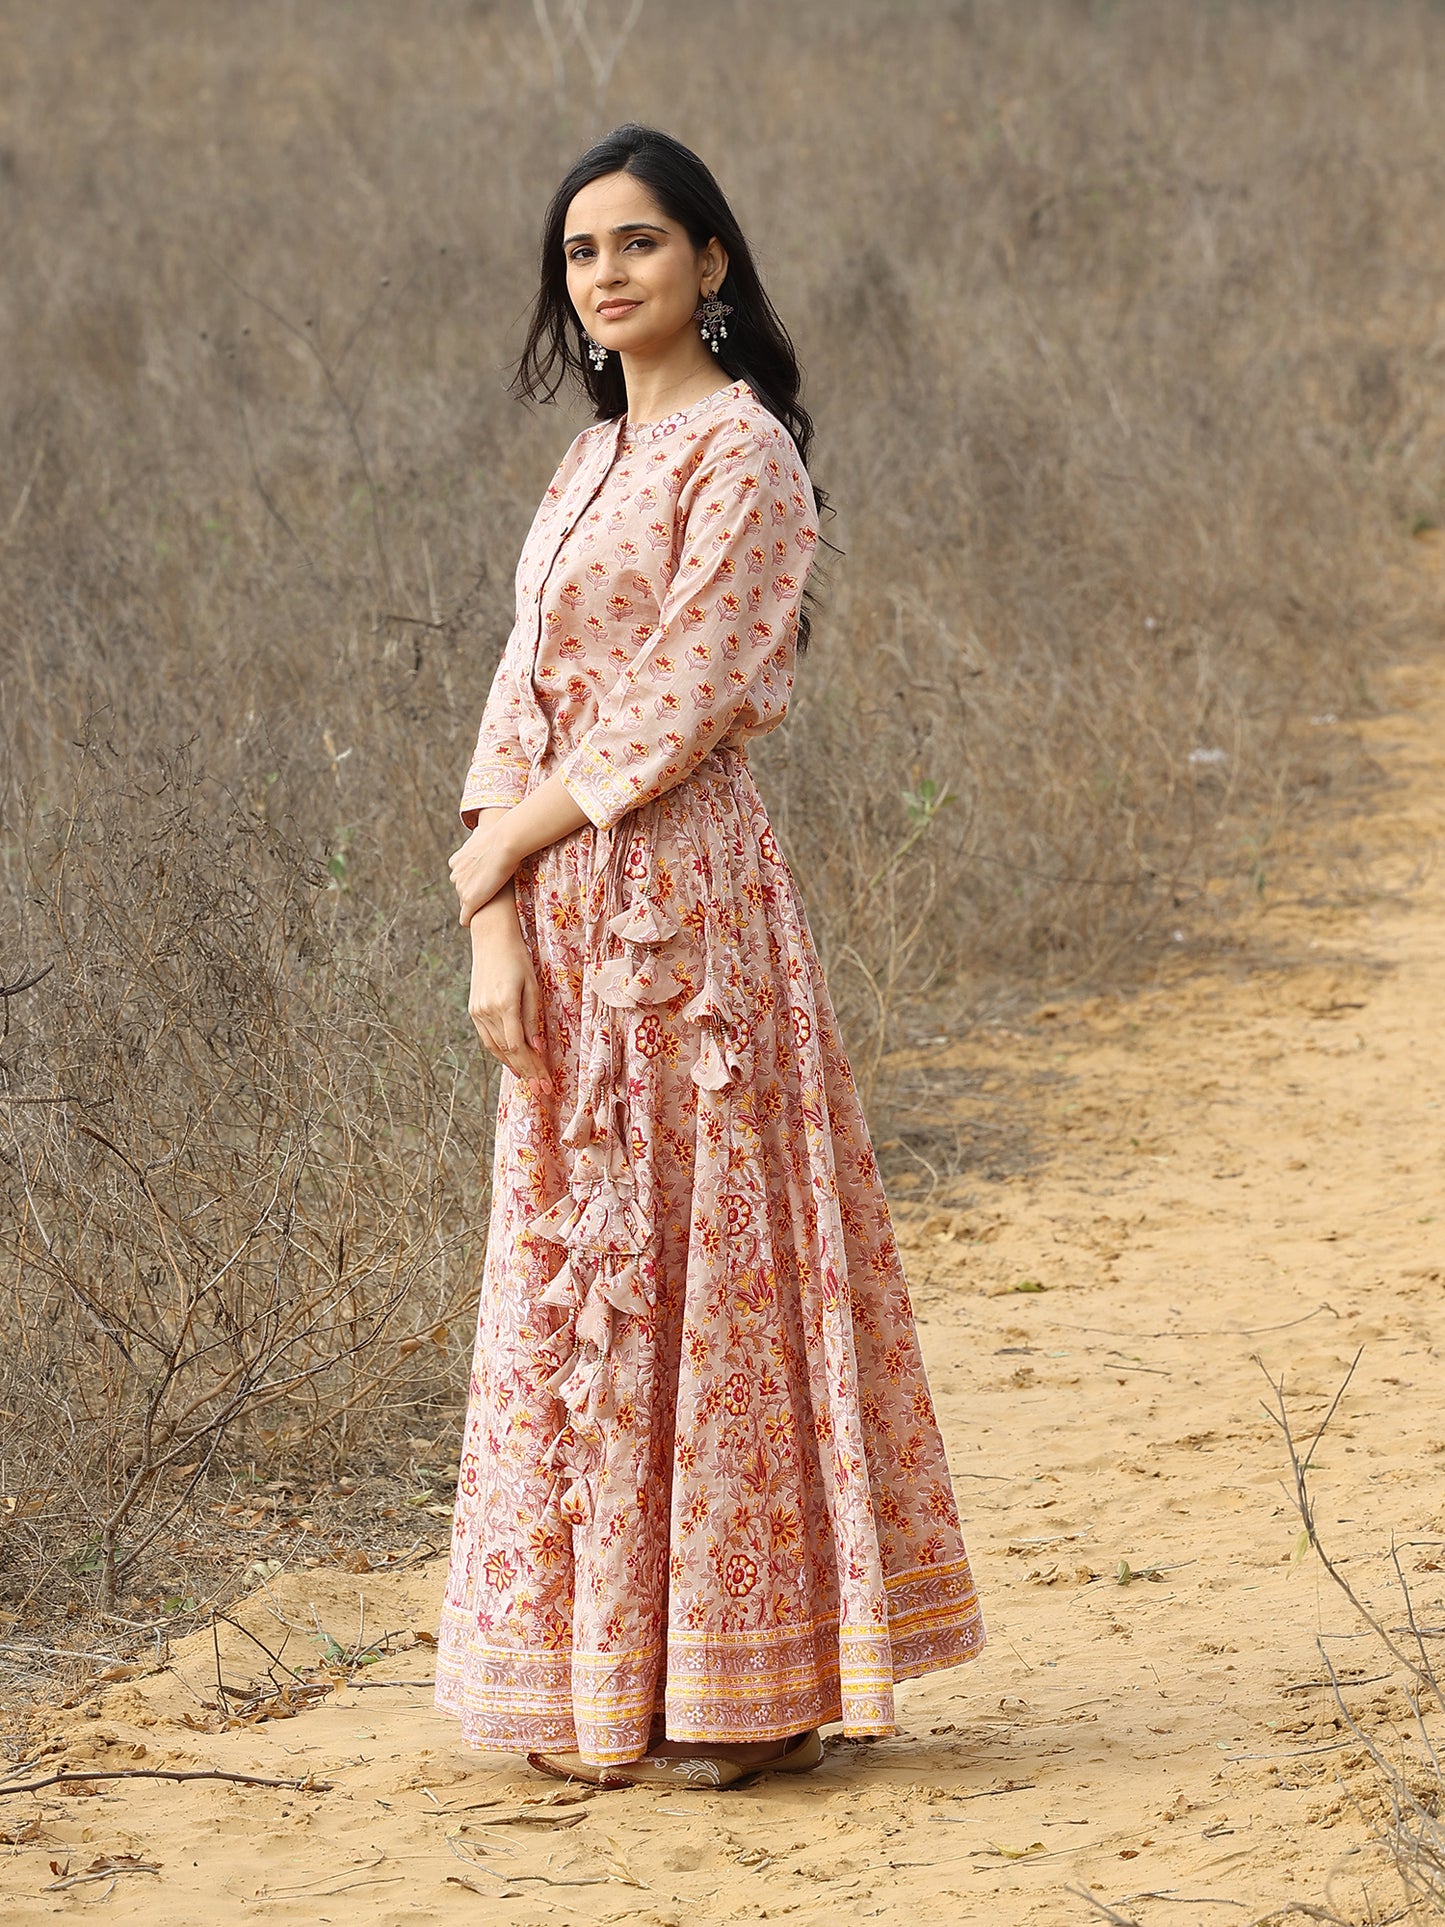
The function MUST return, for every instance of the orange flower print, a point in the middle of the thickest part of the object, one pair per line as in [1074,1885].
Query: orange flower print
[785,1529]
[781,1431]
[735,1395]
[785,587]
[754,1293]
[695,1512]
[760,635]
[619,606]
[572,593]
[694,616]
[740,1575]
[598,571]
[499,1569]
[802,1025]
[470,1477]
[704,695]
[728,607]
[780,555]
[898,1360]
[635,867]
[757,561]
[768,849]
[941,1505]
[546,1546]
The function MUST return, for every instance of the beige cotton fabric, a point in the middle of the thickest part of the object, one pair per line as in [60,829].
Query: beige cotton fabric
[702,1485]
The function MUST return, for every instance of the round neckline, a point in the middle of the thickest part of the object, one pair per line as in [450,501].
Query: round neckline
[670,424]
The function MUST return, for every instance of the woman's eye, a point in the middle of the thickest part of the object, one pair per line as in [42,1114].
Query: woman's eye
[641,241]
[579,254]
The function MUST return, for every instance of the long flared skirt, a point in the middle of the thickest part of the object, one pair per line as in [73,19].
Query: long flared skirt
[702,1486]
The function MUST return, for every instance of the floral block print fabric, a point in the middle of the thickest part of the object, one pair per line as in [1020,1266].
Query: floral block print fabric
[702,1485]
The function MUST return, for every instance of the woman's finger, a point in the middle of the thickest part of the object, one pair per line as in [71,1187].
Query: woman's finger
[519,1051]
[532,1023]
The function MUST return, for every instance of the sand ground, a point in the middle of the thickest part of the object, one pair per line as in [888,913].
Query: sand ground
[1239,1167]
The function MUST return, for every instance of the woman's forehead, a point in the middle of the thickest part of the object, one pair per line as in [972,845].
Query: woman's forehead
[612,201]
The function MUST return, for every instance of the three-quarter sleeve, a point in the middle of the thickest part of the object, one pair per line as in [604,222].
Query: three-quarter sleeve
[718,666]
[498,774]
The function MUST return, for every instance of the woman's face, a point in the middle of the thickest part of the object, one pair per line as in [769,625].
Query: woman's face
[633,274]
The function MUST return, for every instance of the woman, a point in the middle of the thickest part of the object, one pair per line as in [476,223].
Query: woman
[703,1505]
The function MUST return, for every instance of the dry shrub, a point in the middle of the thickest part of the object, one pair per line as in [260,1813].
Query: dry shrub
[1396,1779]
[237,1177]
[1120,330]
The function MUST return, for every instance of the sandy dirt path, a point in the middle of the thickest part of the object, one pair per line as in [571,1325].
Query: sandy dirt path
[1241,1164]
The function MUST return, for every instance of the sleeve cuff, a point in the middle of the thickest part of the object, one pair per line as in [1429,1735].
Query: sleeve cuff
[491,790]
[593,784]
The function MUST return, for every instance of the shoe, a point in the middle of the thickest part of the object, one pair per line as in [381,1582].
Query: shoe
[701,1775]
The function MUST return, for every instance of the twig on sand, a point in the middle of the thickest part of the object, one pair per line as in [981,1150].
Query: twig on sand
[1419,1669]
[1304,1909]
[1225,1331]
[107,1867]
[1103,1909]
[1183,1900]
[307,1785]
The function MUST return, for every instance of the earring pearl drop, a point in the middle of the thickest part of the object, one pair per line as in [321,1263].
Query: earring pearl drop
[709,317]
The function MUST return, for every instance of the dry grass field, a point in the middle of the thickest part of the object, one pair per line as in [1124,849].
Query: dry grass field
[1125,333]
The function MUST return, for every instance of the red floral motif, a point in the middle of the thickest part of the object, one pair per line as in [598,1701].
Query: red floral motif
[735,1394]
[739,1213]
[647,1038]
[470,1479]
[802,1025]
[740,1575]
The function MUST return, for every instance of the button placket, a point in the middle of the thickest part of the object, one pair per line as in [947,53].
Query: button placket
[606,457]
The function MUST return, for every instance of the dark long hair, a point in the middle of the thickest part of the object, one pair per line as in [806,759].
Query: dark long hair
[757,350]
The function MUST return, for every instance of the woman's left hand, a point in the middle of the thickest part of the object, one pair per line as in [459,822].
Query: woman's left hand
[484,864]
[503,838]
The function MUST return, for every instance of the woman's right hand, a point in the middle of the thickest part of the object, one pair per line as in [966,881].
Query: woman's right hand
[505,1002]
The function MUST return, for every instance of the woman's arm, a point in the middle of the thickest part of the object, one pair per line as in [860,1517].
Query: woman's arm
[719,664]
[487,861]
[504,1001]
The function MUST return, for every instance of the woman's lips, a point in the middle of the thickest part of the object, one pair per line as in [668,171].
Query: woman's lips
[613,310]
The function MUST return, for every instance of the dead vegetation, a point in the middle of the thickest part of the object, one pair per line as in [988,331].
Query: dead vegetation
[1122,334]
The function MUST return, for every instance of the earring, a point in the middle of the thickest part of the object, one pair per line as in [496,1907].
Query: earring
[709,317]
[596,353]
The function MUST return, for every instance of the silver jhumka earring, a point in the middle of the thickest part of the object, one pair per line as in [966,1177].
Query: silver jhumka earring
[709,317]
[596,353]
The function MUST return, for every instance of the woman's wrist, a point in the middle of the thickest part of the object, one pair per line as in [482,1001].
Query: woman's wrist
[499,912]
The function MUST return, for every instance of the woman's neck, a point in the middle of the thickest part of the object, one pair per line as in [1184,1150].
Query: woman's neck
[656,389]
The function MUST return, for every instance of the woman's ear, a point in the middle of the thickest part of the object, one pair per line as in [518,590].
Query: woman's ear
[715,264]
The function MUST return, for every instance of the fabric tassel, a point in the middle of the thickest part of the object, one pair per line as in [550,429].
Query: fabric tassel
[709,1006]
[711,1072]
[644,922]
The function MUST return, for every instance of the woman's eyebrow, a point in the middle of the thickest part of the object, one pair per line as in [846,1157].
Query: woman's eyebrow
[627,227]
